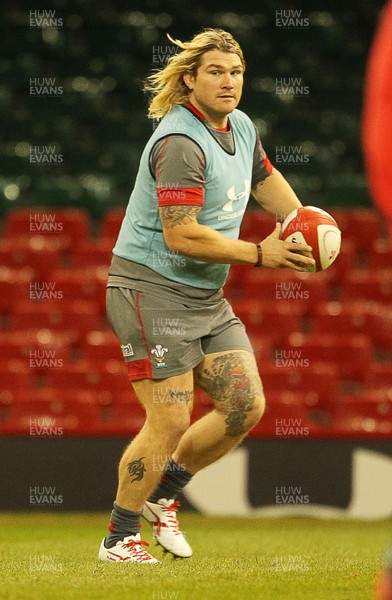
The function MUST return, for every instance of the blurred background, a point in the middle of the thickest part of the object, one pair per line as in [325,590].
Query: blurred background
[98,53]
[73,123]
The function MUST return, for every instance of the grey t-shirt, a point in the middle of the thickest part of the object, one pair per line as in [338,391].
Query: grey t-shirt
[177,161]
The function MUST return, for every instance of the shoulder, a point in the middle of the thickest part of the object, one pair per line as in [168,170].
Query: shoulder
[176,152]
[241,117]
[176,143]
[241,121]
[177,119]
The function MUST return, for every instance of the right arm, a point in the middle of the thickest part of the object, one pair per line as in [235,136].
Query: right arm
[183,234]
[182,231]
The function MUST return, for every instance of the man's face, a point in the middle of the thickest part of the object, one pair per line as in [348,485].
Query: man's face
[217,87]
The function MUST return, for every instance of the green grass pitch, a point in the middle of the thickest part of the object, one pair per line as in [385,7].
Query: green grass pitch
[53,556]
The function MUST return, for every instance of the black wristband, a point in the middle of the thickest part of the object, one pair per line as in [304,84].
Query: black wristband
[259,256]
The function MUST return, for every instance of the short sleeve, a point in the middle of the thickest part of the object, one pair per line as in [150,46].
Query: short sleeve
[262,167]
[177,164]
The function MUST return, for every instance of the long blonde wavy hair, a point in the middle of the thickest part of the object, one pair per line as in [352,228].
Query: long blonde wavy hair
[167,87]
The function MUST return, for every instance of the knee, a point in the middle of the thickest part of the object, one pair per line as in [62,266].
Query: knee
[170,426]
[239,420]
[256,412]
[177,426]
[258,405]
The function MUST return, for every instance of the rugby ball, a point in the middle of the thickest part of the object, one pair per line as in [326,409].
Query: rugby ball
[316,227]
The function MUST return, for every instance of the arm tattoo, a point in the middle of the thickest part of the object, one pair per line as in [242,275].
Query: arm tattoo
[234,393]
[181,396]
[136,469]
[178,215]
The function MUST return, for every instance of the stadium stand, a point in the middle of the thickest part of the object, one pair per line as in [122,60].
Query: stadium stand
[322,342]
[80,145]
[60,216]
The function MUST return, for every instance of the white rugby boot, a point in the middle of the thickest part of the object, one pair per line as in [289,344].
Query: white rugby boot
[163,518]
[130,549]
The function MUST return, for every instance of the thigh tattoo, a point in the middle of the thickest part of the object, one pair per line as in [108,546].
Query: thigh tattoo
[177,396]
[228,380]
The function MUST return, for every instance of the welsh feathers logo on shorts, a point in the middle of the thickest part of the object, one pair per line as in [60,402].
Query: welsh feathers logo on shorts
[159,355]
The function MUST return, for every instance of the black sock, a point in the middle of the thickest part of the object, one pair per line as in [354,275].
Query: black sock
[122,523]
[173,481]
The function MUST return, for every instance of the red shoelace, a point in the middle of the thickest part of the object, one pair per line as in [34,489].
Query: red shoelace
[172,520]
[138,552]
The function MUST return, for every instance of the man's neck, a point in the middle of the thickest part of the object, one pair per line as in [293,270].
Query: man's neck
[222,125]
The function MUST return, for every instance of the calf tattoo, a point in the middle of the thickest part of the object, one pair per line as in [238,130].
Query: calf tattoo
[136,469]
[228,382]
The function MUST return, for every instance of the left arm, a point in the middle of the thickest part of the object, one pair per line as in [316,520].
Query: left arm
[276,195]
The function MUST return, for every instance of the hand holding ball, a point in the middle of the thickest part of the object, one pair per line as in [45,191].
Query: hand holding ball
[315,227]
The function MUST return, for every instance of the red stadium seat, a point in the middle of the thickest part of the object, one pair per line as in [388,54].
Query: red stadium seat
[14,286]
[106,376]
[369,414]
[378,375]
[284,396]
[40,349]
[15,381]
[358,316]
[262,346]
[383,331]
[369,285]
[317,382]
[283,420]
[361,226]
[78,315]
[50,412]
[257,225]
[87,412]
[16,377]
[351,353]
[13,345]
[68,412]
[68,225]
[82,284]
[102,345]
[233,287]
[380,256]
[286,285]
[111,224]
[273,320]
[93,254]
[16,366]
[345,261]
[37,252]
